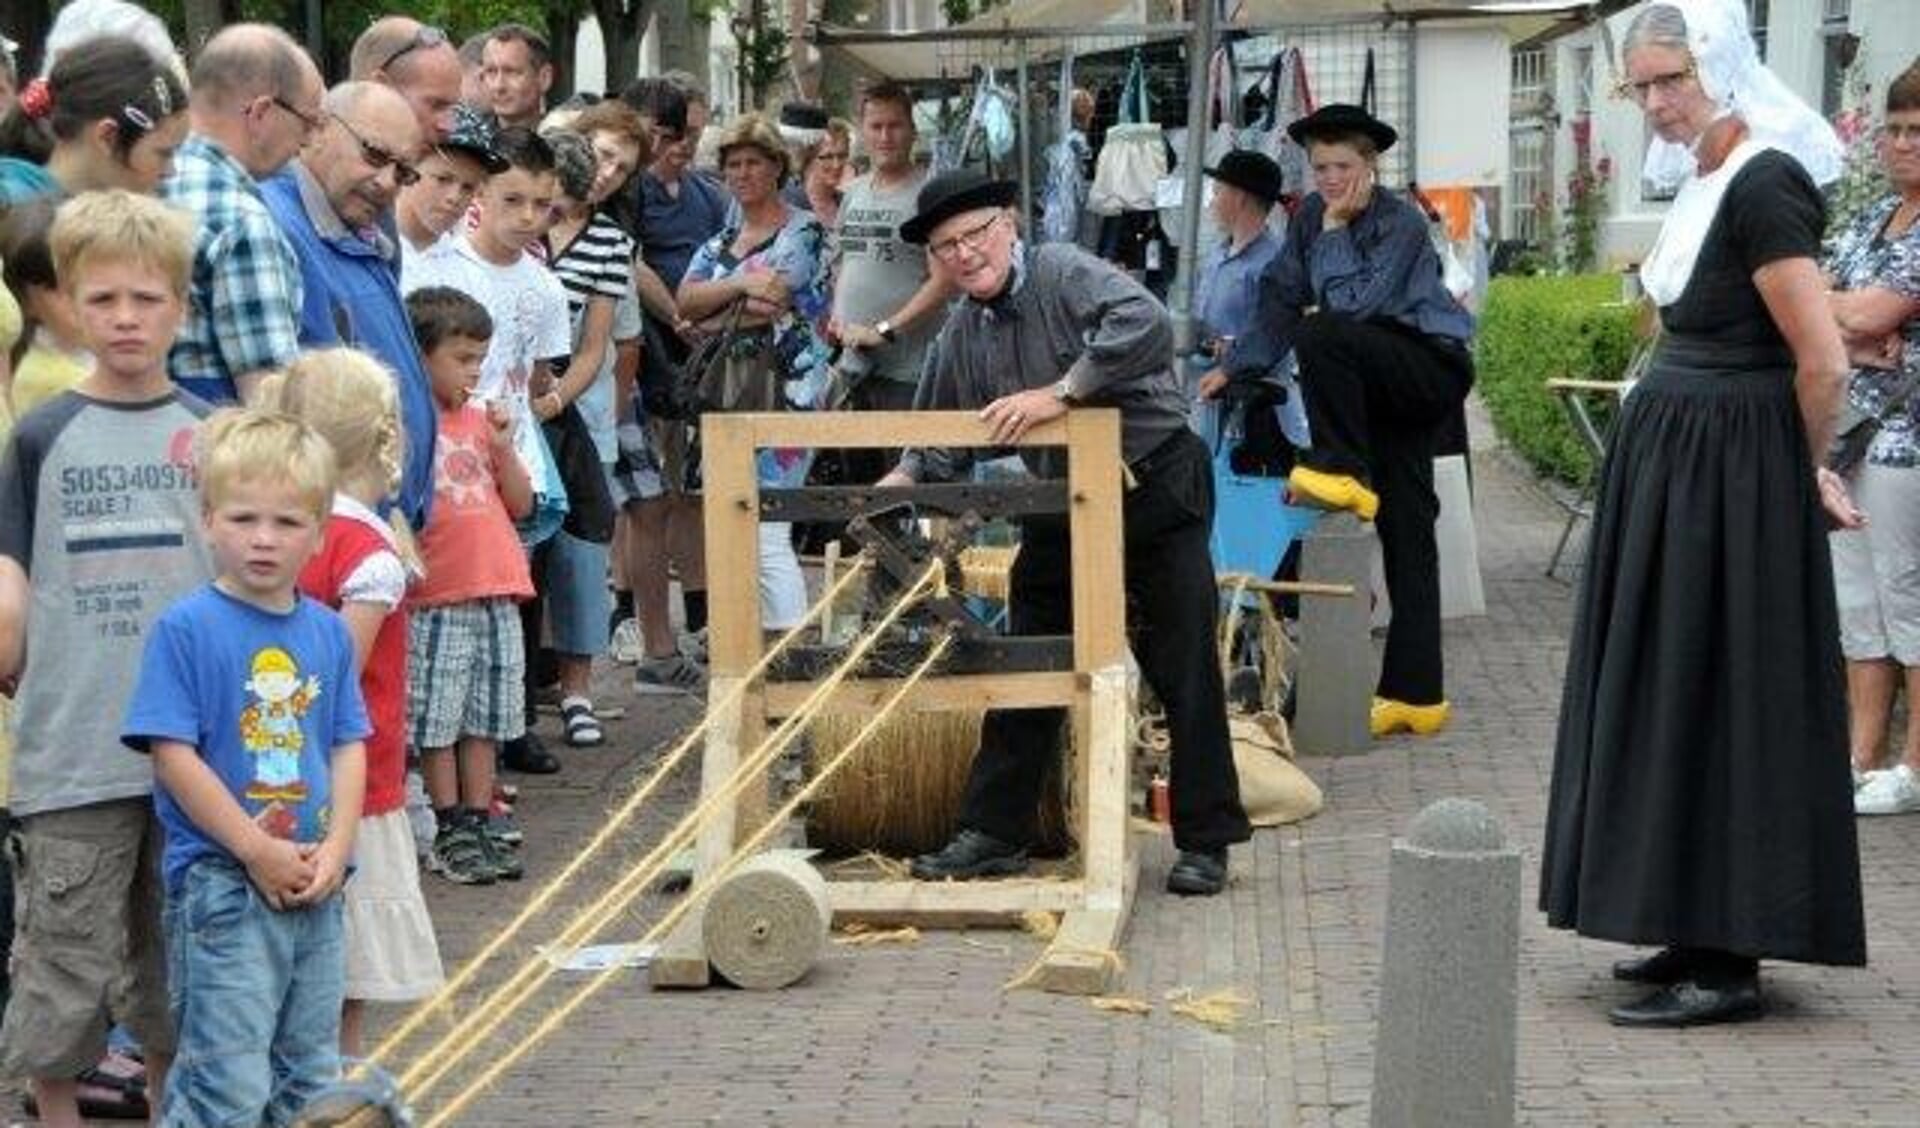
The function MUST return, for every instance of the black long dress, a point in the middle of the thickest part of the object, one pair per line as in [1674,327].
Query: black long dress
[1700,786]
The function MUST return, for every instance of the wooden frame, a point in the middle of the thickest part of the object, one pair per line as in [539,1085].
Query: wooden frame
[1096,902]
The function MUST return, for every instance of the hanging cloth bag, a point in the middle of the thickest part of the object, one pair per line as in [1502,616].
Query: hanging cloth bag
[1066,184]
[1134,157]
[1289,98]
[1170,194]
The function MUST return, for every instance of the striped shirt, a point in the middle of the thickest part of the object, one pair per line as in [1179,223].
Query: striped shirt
[244,302]
[598,263]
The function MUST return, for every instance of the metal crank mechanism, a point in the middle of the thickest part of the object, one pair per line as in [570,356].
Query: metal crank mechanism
[885,523]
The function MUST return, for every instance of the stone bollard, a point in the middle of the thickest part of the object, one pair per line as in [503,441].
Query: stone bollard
[1333,690]
[1446,1033]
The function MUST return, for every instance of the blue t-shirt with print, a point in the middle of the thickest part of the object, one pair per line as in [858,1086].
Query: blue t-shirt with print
[265,697]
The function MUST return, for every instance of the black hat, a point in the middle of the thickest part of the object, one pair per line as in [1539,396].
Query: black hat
[472,134]
[952,193]
[1341,118]
[802,123]
[1253,173]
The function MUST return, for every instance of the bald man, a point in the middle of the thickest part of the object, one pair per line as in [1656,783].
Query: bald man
[329,202]
[417,60]
[255,101]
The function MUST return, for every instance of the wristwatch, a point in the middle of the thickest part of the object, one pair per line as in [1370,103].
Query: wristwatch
[886,331]
[1063,391]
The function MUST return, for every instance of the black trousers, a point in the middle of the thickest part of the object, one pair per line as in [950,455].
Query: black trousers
[1171,610]
[1380,398]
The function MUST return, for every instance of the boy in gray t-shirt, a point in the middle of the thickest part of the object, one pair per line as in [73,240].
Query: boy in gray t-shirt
[99,532]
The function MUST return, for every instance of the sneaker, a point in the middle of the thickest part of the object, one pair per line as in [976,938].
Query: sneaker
[625,645]
[674,673]
[461,854]
[500,858]
[1894,792]
[693,644]
[502,826]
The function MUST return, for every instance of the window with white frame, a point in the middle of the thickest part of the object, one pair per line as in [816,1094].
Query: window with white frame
[1526,179]
[1757,22]
[1528,72]
[1838,47]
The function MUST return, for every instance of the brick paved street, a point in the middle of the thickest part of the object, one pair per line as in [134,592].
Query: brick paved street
[924,1034]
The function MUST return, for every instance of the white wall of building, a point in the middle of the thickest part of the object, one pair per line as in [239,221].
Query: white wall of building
[1460,105]
[723,74]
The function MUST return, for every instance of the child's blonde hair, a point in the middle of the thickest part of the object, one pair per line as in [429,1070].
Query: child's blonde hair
[120,226]
[353,401]
[243,444]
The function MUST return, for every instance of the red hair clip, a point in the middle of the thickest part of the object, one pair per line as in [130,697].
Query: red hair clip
[36,99]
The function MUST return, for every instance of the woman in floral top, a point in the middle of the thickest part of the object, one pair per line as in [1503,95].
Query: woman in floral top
[763,280]
[1874,265]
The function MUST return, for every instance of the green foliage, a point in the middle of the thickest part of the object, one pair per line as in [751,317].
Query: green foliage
[1535,329]
[1863,179]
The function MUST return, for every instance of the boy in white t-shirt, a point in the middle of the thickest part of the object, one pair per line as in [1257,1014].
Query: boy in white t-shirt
[531,328]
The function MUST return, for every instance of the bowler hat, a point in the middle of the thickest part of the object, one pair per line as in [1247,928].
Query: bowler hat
[953,193]
[1253,173]
[1341,118]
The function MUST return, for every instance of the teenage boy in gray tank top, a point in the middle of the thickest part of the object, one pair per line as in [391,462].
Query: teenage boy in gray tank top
[885,302]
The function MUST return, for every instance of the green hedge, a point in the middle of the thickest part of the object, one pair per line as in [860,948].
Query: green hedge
[1536,328]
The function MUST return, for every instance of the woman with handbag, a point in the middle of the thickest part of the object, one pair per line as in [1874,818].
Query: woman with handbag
[1874,266]
[755,291]
[1699,802]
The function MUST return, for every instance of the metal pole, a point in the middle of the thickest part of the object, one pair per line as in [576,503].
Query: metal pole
[1026,138]
[1199,50]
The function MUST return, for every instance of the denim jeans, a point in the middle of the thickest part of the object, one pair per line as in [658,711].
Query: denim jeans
[256,998]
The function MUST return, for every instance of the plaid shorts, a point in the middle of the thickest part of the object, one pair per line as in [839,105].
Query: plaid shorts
[468,666]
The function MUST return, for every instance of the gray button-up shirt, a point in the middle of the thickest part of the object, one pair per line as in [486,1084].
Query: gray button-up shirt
[1065,314]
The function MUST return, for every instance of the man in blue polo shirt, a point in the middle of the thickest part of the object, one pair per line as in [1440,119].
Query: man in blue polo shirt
[328,202]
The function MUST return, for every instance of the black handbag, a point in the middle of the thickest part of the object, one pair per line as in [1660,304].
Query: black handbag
[733,370]
[1855,430]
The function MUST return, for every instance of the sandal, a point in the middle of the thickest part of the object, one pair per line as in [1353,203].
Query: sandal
[583,728]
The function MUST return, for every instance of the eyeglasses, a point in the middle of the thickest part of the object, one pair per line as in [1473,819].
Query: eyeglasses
[973,238]
[309,121]
[1897,133]
[378,158]
[832,155]
[1668,83]
[426,36]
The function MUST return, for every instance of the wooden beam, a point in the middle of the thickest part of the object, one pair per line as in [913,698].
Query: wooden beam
[972,691]
[1098,550]
[1005,896]
[871,429]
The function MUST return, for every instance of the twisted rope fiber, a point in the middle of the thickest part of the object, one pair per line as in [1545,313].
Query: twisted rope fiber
[467,1035]
[617,822]
[587,990]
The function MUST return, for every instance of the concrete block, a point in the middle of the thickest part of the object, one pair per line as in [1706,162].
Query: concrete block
[1446,1040]
[1338,667]
[1461,592]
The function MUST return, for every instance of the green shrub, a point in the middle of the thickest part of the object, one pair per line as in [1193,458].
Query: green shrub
[1535,329]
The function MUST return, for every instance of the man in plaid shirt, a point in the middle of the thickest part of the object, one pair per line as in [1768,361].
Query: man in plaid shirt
[255,101]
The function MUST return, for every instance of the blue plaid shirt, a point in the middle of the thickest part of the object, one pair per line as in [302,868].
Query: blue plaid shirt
[244,304]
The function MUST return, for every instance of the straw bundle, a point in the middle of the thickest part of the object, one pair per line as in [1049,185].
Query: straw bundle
[901,793]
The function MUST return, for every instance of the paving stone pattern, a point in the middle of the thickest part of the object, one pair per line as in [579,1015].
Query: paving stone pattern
[924,1034]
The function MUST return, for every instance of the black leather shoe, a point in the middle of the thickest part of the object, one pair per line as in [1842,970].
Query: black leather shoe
[971,854]
[1689,1003]
[528,755]
[1668,965]
[1198,873]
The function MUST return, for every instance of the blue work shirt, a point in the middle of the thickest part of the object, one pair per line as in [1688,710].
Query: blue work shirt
[351,296]
[1230,285]
[674,226]
[1380,266]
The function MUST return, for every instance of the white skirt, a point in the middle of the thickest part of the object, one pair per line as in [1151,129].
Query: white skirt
[392,955]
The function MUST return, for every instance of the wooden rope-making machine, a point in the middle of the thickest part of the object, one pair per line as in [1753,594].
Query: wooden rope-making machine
[922,649]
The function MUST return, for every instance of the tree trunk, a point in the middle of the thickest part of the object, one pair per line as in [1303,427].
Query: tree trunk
[622,25]
[683,39]
[563,30]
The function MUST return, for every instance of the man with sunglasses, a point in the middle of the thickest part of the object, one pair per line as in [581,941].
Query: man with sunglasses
[417,60]
[330,202]
[255,100]
[1039,331]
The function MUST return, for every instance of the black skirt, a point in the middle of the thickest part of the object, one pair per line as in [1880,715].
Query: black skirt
[1701,793]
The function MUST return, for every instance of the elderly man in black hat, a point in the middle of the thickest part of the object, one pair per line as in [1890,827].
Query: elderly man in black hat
[1356,292]
[1039,331]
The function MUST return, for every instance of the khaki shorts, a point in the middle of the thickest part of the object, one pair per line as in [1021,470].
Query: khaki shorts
[87,948]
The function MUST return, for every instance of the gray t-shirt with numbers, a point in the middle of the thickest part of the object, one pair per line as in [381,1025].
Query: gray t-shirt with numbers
[98,505]
[878,271]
